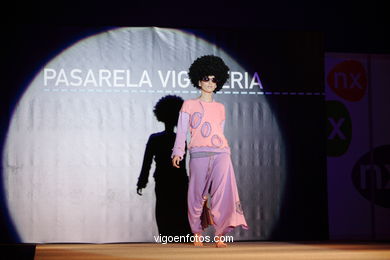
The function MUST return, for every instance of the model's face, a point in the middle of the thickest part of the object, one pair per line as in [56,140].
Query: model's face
[208,84]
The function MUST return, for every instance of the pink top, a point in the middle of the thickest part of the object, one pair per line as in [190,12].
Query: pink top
[205,120]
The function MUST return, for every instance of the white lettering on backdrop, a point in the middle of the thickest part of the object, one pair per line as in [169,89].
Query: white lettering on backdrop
[124,78]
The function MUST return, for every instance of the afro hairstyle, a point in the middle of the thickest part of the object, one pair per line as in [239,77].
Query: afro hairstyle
[208,65]
[167,109]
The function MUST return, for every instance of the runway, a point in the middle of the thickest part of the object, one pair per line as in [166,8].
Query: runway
[236,250]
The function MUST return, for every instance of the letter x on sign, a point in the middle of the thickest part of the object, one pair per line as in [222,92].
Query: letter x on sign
[336,128]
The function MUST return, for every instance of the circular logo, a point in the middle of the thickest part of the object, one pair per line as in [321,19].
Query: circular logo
[372,180]
[348,80]
[338,128]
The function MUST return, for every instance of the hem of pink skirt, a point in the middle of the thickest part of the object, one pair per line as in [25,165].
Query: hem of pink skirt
[230,228]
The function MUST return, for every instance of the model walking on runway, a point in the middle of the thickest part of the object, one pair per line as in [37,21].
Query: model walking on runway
[211,169]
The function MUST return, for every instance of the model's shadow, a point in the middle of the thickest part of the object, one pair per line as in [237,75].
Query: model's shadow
[171,183]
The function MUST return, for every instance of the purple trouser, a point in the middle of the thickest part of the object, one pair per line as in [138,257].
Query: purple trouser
[215,175]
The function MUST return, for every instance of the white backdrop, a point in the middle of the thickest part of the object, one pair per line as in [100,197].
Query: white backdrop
[75,144]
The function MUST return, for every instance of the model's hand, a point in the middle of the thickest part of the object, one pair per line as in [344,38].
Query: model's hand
[139,191]
[175,161]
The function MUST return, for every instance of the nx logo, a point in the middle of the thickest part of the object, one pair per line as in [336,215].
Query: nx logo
[348,80]
[379,172]
[373,180]
[338,128]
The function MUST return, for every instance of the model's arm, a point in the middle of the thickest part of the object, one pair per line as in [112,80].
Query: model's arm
[181,136]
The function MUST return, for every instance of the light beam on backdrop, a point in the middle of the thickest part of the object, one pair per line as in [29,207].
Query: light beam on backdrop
[76,140]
